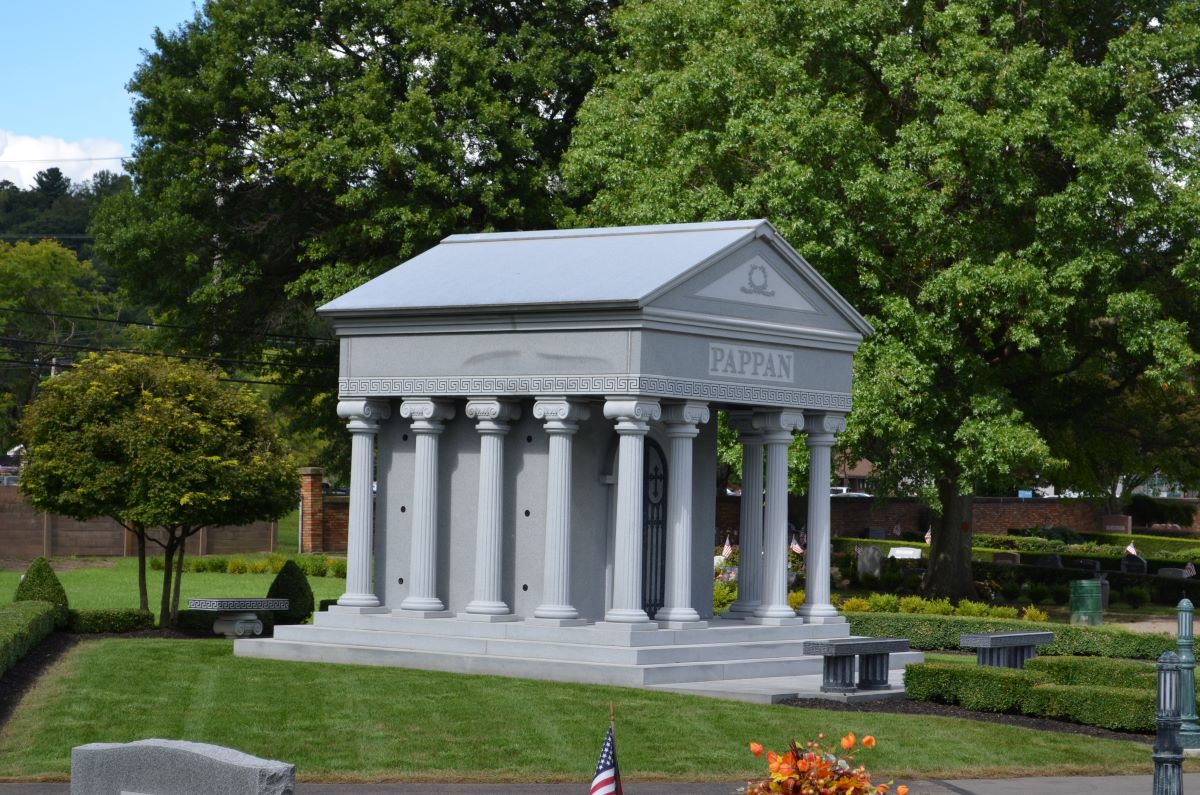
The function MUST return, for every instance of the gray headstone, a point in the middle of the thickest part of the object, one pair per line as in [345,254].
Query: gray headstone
[175,767]
[1012,558]
[1133,564]
[1171,573]
[870,561]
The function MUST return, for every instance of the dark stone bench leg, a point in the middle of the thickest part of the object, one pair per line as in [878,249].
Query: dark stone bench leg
[837,674]
[873,671]
[997,658]
[1022,653]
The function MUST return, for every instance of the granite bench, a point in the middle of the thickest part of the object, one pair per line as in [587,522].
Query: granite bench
[1005,649]
[837,671]
[237,618]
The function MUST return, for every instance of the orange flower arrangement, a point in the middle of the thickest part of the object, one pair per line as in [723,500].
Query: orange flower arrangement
[812,770]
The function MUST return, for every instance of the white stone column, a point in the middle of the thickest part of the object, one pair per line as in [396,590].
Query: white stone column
[363,418]
[777,428]
[491,417]
[681,420]
[427,416]
[633,416]
[820,427]
[561,417]
[750,534]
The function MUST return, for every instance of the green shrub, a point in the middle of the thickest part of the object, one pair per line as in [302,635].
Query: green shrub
[928,633]
[795,599]
[259,566]
[1031,613]
[337,568]
[291,584]
[214,563]
[911,604]
[1039,593]
[855,604]
[312,565]
[1060,593]
[275,562]
[110,620]
[156,563]
[40,584]
[999,611]
[1136,595]
[197,622]
[1010,589]
[236,566]
[978,687]
[884,603]
[1095,671]
[968,608]
[724,594]
[22,626]
[1116,708]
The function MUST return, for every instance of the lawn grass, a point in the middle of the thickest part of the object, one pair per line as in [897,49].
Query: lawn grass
[339,722]
[287,533]
[115,585]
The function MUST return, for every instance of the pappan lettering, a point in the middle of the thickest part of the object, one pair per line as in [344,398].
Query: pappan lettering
[745,362]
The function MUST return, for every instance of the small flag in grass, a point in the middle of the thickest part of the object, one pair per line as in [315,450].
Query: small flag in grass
[1190,569]
[607,780]
[726,550]
[1130,550]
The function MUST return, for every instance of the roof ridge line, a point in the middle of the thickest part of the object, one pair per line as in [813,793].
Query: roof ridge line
[603,231]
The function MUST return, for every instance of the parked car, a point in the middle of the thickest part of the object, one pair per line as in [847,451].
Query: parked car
[10,480]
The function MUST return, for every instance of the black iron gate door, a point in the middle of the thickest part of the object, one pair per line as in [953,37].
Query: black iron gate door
[654,529]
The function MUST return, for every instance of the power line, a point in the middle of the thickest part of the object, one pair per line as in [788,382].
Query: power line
[70,365]
[187,356]
[64,159]
[148,324]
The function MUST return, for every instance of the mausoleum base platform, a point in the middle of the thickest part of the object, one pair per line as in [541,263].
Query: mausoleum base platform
[728,652]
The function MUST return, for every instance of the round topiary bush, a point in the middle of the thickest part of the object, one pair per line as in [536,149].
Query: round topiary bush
[291,584]
[40,584]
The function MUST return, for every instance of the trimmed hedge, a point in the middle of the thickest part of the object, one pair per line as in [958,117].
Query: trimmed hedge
[988,689]
[929,632]
[1098,671]
[22,626]
[41,584]
[87,622]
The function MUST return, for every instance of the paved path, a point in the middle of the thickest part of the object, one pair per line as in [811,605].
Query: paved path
[1099,785]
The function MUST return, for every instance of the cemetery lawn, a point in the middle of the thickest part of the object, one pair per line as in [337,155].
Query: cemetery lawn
[354,723]
[113,583]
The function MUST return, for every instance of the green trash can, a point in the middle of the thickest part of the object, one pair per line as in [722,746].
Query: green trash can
[1085,602]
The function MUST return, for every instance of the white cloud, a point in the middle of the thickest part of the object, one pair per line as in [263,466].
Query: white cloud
[22,156]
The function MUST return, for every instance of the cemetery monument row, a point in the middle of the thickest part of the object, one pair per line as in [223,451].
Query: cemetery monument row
[536,412]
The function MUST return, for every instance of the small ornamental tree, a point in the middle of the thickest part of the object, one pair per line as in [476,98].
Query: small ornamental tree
[291,584]
[41,584]
[162,447]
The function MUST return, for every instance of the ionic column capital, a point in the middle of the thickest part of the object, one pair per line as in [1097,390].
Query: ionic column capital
[364,415]
[683,417]
[777,426]
[633,414]
[427,414]
[560,413]
[492,414]
[821,426]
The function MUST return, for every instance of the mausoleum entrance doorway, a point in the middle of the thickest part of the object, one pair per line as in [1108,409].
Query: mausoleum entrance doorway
[654,529]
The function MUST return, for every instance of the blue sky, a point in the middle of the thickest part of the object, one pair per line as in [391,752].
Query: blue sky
[66,63]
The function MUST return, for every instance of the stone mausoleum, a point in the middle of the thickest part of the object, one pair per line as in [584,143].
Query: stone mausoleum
[533,477]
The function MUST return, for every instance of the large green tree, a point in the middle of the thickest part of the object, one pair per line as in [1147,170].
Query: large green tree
[161,446]
[1009,191]
[289,150]
[50,309]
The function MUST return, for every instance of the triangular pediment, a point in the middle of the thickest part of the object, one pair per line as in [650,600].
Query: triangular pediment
[758,283]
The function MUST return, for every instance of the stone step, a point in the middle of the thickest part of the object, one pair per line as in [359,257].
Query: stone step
[587,671]
[540,649]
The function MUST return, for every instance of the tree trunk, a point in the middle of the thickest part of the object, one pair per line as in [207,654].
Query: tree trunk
[164,608]
[949,572]
[139,533]
[178,580]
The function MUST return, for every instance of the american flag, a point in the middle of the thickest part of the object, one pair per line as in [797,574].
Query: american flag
[1130,550]
[607,780]
[929,536]
[795,546]
[726,550]
[1189,570]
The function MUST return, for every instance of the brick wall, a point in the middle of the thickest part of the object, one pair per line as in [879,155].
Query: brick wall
[324,518]
[26,532]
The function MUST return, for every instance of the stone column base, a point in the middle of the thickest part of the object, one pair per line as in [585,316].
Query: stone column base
[557,622]
[348,609]
[682,624]
[487,618]
[772,622]
[422,613]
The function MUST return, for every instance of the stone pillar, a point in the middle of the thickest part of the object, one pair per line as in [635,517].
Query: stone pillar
[633,416]
[427,416]
[777,428]
[681,420]
[363,418]
[561,417]
[820,427]
[1189,730]
[750,537]
[312,509]
[492,417]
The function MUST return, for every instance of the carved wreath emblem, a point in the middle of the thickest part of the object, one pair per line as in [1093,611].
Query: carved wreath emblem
[756,281]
